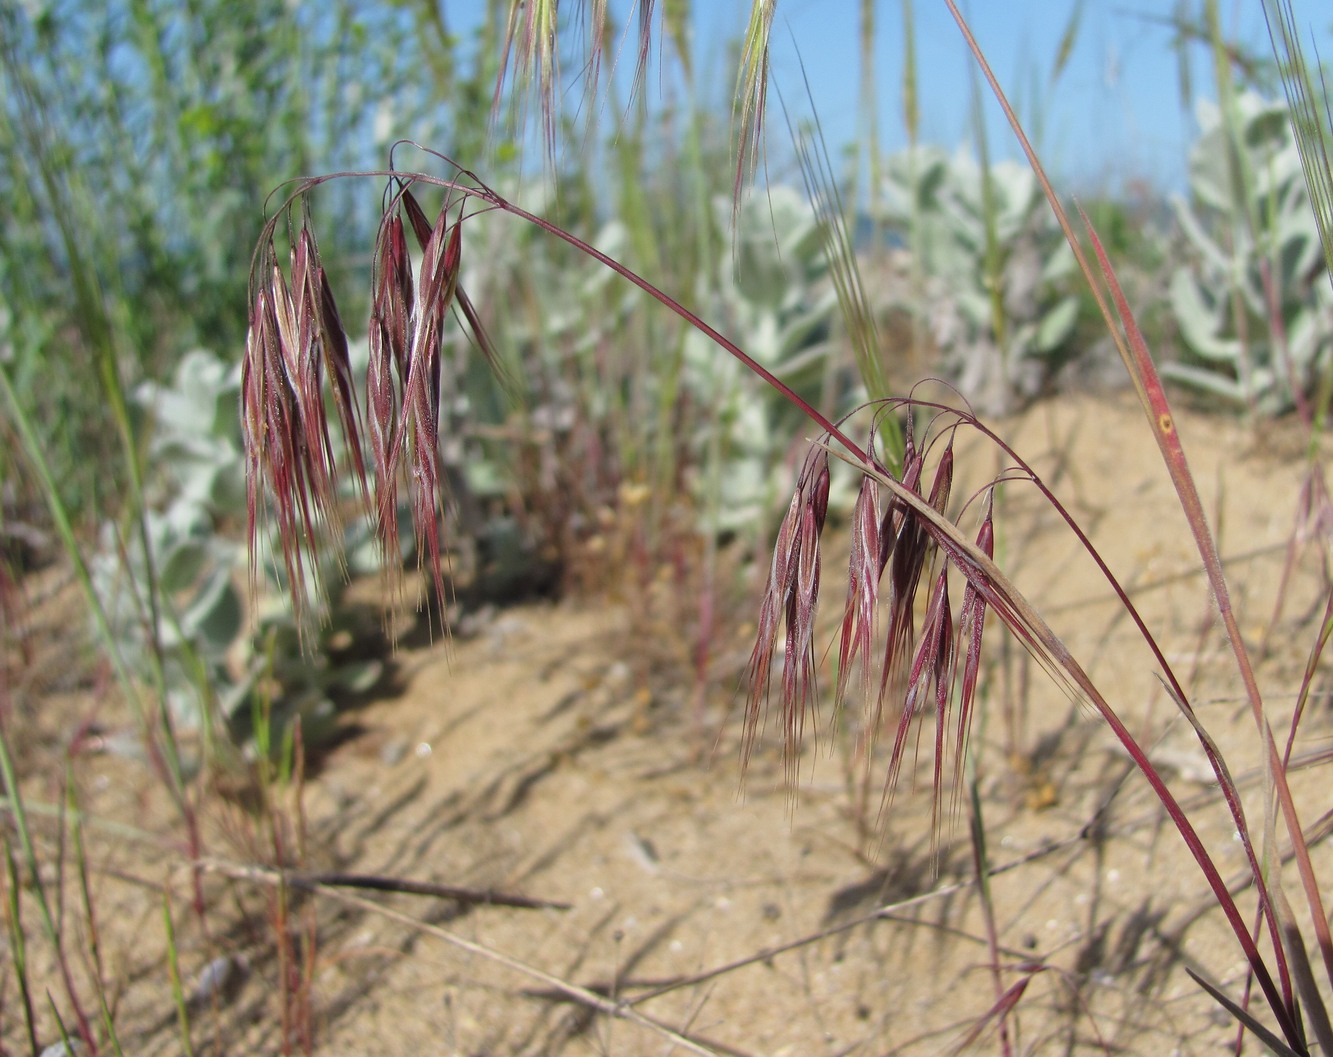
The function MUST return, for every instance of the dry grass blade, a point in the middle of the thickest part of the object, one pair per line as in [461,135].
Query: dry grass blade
[996,1014]
[618,1010]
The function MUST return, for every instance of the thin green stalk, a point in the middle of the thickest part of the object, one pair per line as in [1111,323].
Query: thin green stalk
[60,1026]
[54,936]
[982,872]
[1241,177]
[72,816]
[60,519]
[18,947]
[173,971]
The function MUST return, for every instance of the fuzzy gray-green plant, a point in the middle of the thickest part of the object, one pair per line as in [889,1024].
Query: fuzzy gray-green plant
[214,659]
[770,291]
[997,350]
[1252,303]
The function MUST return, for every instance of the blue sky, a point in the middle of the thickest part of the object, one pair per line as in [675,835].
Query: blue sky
[1114,114]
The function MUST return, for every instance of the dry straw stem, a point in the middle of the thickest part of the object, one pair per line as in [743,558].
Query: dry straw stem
[618,1010]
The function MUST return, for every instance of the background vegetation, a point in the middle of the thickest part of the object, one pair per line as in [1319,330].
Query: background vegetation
[140,141]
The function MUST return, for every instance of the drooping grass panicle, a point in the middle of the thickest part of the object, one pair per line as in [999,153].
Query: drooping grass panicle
[772,608]
[297,339]
[307,309]
[919,673]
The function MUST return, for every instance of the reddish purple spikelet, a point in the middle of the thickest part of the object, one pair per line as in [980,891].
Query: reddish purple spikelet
[906,558]
[933,658]
[390,333]
[791,597]
[300,309]
[295,334]
[771,609]
[798,673]
[269,414]
[859,621]
[416,438]
[919,672]
[333,341]
[971,623]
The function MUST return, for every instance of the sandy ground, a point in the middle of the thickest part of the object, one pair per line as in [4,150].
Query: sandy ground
[534,756]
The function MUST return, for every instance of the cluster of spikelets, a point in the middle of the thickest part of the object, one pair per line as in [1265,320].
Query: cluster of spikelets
[917,670]
[296,336]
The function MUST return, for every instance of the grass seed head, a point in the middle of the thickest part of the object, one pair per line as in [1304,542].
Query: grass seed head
[860,614]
